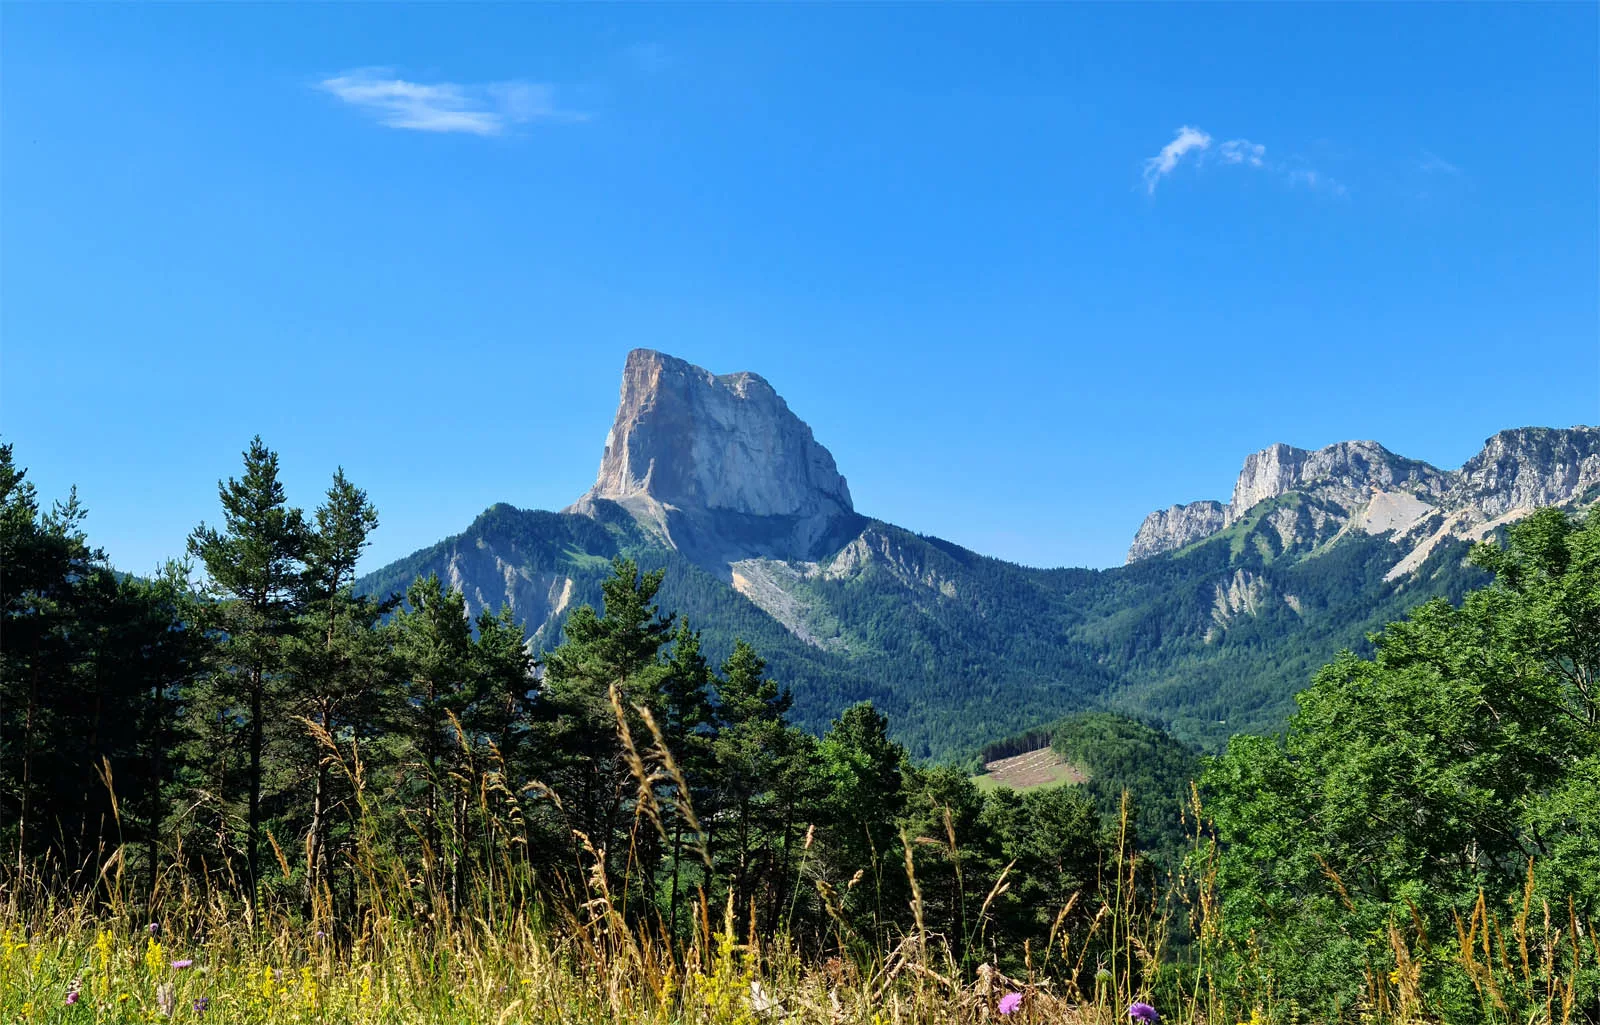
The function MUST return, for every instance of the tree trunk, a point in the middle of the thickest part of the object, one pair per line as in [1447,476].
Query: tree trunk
[253,838]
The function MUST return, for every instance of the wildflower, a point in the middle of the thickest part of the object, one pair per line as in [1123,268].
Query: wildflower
[11,942]
[201,1004]
[152,956]
[1010,1002]
[73,997]
[154,928]
[185,963]
[1143,1014]
[166,998]
[308,987]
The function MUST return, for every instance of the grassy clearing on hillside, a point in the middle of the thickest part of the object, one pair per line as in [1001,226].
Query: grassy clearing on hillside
[1030,770]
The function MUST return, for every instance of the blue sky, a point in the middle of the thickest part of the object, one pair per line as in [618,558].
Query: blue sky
[1028,271]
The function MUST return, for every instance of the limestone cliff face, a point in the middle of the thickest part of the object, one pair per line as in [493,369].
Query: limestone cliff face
[1360,485]
[1349,469]
[718,466]
[1176,526]
[1529,467]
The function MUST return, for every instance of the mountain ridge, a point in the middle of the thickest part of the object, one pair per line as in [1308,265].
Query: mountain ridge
[715,481]
[1375,490]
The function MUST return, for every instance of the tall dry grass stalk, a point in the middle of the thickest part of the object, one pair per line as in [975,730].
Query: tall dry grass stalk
[471,936]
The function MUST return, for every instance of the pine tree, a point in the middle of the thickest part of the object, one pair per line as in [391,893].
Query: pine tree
[339,679]
[620,649]
[752,748]
[689,724]
[253,566]
[433,640]
[863,769]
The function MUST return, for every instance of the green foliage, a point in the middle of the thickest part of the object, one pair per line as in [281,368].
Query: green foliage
[278,740]
[958,649]
[1461,753]
[91,665]
[1122,756]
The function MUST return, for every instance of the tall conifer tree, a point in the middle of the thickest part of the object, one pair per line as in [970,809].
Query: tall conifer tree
[254,566]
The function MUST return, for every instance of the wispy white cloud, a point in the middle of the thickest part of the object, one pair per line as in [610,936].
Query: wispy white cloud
[487,109]
[1164,163]
[1432,163]
[1190,140]
[1242,151]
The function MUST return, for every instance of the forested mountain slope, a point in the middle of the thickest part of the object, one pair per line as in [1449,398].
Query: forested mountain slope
[1221,615]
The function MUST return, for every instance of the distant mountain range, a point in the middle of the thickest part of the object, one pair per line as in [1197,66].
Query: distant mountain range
[1219,617]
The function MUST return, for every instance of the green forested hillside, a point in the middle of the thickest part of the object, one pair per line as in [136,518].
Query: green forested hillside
[1121,755]
[959,648]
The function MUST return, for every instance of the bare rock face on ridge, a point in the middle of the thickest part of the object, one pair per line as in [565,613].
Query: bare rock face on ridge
[1167,529]
[718,466]
[1361,485]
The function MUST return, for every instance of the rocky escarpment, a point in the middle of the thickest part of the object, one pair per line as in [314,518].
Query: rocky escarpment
[718,467]
[1347,472]
[1176,526]
[1360,485]
[1527,468]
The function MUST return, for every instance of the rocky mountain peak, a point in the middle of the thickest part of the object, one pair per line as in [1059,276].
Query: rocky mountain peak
[718,465]
[1346,465]
[1527,467]
[1362,485]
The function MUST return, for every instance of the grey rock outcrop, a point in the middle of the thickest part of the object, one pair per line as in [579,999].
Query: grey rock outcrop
[1348,470]
[1167,529]
[718,466]
[1363,486]
[1529,467]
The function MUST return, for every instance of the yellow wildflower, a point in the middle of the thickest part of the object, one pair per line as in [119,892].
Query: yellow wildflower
[267,980]
[308,987]
[152,956]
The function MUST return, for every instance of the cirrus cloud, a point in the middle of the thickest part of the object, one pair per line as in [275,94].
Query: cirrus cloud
[1164,163]
[1194,145]
[486,109]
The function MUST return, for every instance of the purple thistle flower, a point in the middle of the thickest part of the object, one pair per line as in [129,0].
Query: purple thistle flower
[185,963]
[201,1004]
[154,928]
[1143,1013]
[1010,1002]
[73,996]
